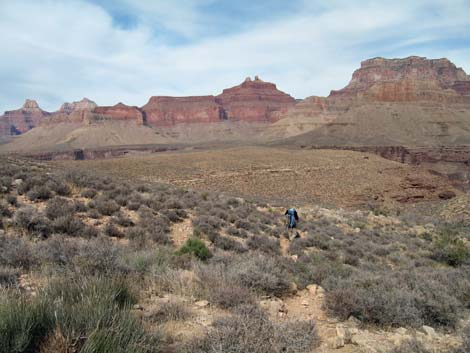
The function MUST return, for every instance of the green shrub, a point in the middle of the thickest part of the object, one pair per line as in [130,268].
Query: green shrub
[195,247]
[450,249]
[24,322]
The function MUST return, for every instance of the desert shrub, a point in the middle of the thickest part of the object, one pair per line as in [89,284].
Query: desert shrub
[231,296]
[133,205]
[398,299]
[79,206]
[261,273]
[263,243]
[228,244]
[171,311]
[448,248]
[174,215]
[206,223]
[93,213]
[250,330]
[107,207]
[16,252]
[39,193]
[124,221]
[195,247]
[30,183]
[58,207]
[99,257]
[319,270]
[5,184]
[12,200]
[28,219]
[69,225]
[112,231]
[81,178]
[59,187]
[88,193]
[241,223]
[9,276]
[4,209]
[121,200]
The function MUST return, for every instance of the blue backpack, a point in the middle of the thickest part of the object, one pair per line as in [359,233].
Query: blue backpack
[292,217]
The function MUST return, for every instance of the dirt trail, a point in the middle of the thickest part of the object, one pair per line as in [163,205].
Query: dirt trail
[180,232]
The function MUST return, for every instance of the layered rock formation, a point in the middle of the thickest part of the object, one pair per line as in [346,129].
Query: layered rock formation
[407,80]
[120,111]
[15,122]
[169,111]
[252,101]
[255,101]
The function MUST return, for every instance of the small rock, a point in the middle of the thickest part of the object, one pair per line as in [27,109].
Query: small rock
[353,321]
[201,303]
[294,258]
[137,307]
[17,182]
[401,331]
[304,303]
[320,291]
[293,287]
[446,195]
[336,342]
[312,288]
[429,331]
[344,333]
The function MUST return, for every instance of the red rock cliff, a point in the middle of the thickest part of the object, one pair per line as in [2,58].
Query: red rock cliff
[254,101]
[15,122]
[168,111]
[409,79]
[120,111]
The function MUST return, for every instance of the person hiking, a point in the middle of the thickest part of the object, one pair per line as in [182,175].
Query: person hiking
[292,219]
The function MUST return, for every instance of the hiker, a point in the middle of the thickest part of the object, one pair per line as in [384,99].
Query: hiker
[292,219]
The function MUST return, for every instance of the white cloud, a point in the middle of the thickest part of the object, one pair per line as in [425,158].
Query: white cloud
[57,51]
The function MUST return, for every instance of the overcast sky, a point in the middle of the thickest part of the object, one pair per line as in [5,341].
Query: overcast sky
[128,50]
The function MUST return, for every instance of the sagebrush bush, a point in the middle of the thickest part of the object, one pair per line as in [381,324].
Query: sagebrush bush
[8,276]
[250,330]
[30,220]
[261,273]
[88,193]
[69,225]
[58,207]
[171,311]
[398,299]
[231,296]
[16,252]
[228,244]
[264,244]
[106,207]
[40,193]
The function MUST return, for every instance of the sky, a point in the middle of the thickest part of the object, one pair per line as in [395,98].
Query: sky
[128,50]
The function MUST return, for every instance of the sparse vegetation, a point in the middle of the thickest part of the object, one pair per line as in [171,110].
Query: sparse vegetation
[125,245]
